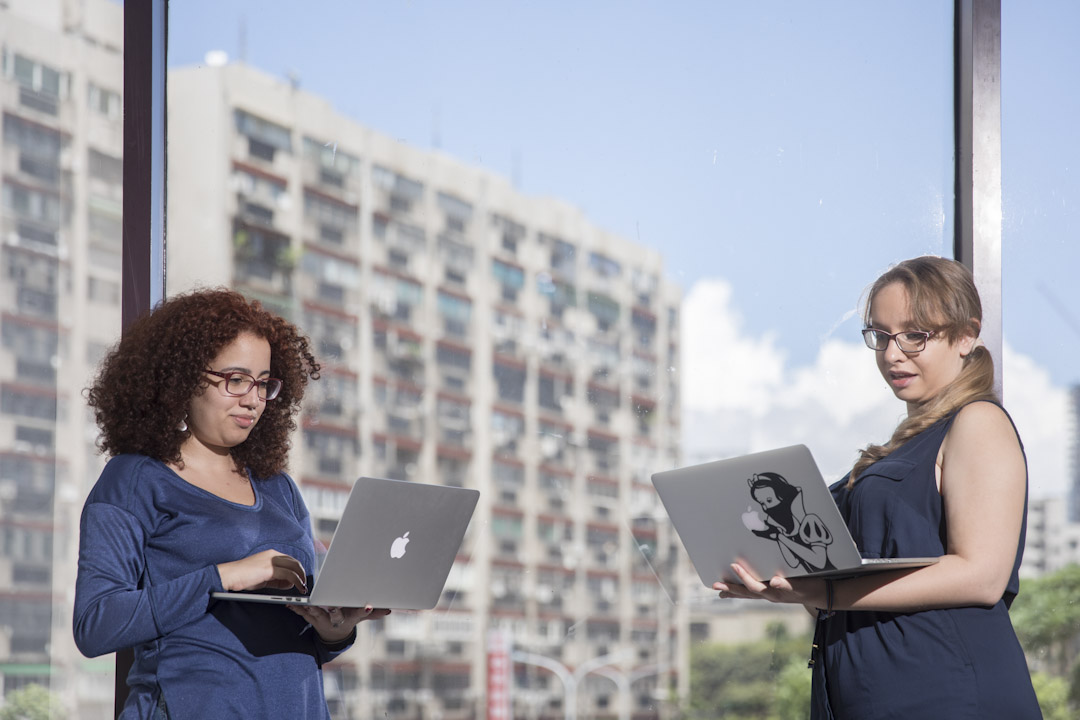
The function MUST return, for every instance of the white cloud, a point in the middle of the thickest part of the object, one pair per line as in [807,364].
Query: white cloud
[739,396]
[726,367]
[1040,410]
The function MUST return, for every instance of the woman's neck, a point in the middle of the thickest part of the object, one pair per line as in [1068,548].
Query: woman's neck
[216,473]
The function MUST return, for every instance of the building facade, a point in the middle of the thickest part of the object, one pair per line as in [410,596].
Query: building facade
[1053,541]
[472,336]
[1074,455]
[61,76]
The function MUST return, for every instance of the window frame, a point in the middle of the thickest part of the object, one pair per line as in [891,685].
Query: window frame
[977,118]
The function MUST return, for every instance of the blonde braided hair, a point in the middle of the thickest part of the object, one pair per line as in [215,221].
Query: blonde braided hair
[943,299]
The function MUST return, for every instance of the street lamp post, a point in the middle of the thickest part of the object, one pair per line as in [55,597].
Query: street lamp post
[623,681]
[569,678]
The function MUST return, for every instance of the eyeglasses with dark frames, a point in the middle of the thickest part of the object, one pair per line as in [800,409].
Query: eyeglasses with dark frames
[238,384]
[909,341]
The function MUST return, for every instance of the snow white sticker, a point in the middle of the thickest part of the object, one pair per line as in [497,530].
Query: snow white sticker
[803,539]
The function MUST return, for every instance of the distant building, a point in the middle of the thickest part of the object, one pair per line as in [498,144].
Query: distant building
[734,622]
[1052,541]
[1074,456]
[471,335]
[61,76]
[1053,530]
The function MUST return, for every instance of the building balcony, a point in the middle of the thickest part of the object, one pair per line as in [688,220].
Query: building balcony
[43,108]
[403,422]
[456,330]
[268,277]
[344,186]
[401,358]
[456,255]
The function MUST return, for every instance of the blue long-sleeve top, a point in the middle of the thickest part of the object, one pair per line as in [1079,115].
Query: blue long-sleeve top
[149,546]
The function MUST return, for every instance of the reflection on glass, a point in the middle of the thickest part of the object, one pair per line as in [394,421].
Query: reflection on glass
[60,239]
[478,331]
[1041,327]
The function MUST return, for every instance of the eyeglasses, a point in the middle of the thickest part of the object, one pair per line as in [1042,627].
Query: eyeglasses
[909,341]
[238,384]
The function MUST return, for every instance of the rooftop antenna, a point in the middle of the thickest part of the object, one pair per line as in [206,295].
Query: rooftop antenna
[241,39]
[436,127]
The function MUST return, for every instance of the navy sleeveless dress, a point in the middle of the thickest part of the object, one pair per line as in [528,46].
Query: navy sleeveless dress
[957,663]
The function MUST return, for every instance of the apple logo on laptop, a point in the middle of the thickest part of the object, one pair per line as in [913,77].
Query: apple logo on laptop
[753,521]
[397,550]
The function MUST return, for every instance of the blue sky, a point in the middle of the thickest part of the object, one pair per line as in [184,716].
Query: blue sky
[793,149]
[779,154]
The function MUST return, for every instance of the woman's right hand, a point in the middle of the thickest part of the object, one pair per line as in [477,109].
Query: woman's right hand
[268,568]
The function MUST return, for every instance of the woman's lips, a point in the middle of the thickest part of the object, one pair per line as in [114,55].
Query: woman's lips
[900,380]
[244,421]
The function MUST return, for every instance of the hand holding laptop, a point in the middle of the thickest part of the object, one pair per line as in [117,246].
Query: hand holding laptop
[803,591]
[393,547]
[764,515]
[336,624]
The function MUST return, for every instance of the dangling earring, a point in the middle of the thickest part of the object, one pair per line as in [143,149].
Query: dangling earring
[183,425]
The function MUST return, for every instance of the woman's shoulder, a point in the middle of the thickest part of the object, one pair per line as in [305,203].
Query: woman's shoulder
[985,424]
[280,479]
[982,413]
[280,483]
[124,477]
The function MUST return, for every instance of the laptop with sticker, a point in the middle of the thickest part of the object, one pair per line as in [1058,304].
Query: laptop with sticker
[770,511]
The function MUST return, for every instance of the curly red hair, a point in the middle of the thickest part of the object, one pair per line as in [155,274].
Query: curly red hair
[145,384]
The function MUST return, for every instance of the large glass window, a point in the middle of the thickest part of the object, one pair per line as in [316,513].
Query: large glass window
[653,228]
[1040,255]
[554,252]
[60,259]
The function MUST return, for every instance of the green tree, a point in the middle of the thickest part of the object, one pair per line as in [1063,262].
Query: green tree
[33,702]
[750,681]
[1046,616]
[1053,694]
[792,699]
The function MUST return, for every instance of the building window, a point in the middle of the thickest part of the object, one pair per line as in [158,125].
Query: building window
[328,212]
[510,278]
[104,102]
[455,312]
[604,266]
[458,212]
[268,136]
[604,309]
[36,205]
[335,163]
[105,168]
[403,192]
[28,403]
[510,382]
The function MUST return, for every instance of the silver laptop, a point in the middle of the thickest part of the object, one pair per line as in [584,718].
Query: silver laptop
[393,548]
[770,511]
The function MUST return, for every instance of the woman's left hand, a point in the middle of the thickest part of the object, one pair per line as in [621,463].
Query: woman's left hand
[800,591]
[335,624]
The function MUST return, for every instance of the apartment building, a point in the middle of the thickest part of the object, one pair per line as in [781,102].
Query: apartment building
[1053,541]
[471,335]
[61,74]
[1053,523]
[1073,493]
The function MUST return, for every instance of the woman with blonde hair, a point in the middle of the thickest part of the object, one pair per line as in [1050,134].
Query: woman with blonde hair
[951,482]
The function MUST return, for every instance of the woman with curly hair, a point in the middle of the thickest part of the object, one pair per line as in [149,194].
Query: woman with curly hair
[951,482]
[196,405]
